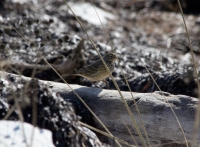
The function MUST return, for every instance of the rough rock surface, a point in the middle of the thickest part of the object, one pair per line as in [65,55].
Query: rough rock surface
[44,108]
[141,37]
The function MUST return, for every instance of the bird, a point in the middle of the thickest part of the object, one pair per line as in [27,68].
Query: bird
[96,71]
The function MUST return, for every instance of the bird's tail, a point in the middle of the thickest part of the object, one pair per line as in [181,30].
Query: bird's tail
[67,75]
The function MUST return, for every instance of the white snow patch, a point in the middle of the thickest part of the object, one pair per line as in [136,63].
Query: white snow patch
[87,12]
[12,134]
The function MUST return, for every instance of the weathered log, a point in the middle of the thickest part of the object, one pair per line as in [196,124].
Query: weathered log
[158,119]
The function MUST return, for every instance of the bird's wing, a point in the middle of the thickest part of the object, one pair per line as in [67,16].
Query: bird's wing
[90,69]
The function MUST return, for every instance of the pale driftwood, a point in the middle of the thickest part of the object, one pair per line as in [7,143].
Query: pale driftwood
[157,116]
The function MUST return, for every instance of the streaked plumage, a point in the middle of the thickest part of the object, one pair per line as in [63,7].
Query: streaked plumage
[97,71]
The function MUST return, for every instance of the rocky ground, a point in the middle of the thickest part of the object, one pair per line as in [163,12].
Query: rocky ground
[144,35]
[140,34]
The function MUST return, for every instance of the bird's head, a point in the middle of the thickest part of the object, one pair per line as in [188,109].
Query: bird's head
[110,56]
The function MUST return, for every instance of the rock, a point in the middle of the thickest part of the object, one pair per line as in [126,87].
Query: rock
[44,108]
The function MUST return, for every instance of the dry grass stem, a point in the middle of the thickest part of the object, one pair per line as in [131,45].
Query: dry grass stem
[130,134]
[106,134]
[186,142]
[117,87]
[197,116]
[137,109]
[72,90]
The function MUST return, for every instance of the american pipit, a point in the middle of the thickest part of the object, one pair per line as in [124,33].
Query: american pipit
[97,71]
